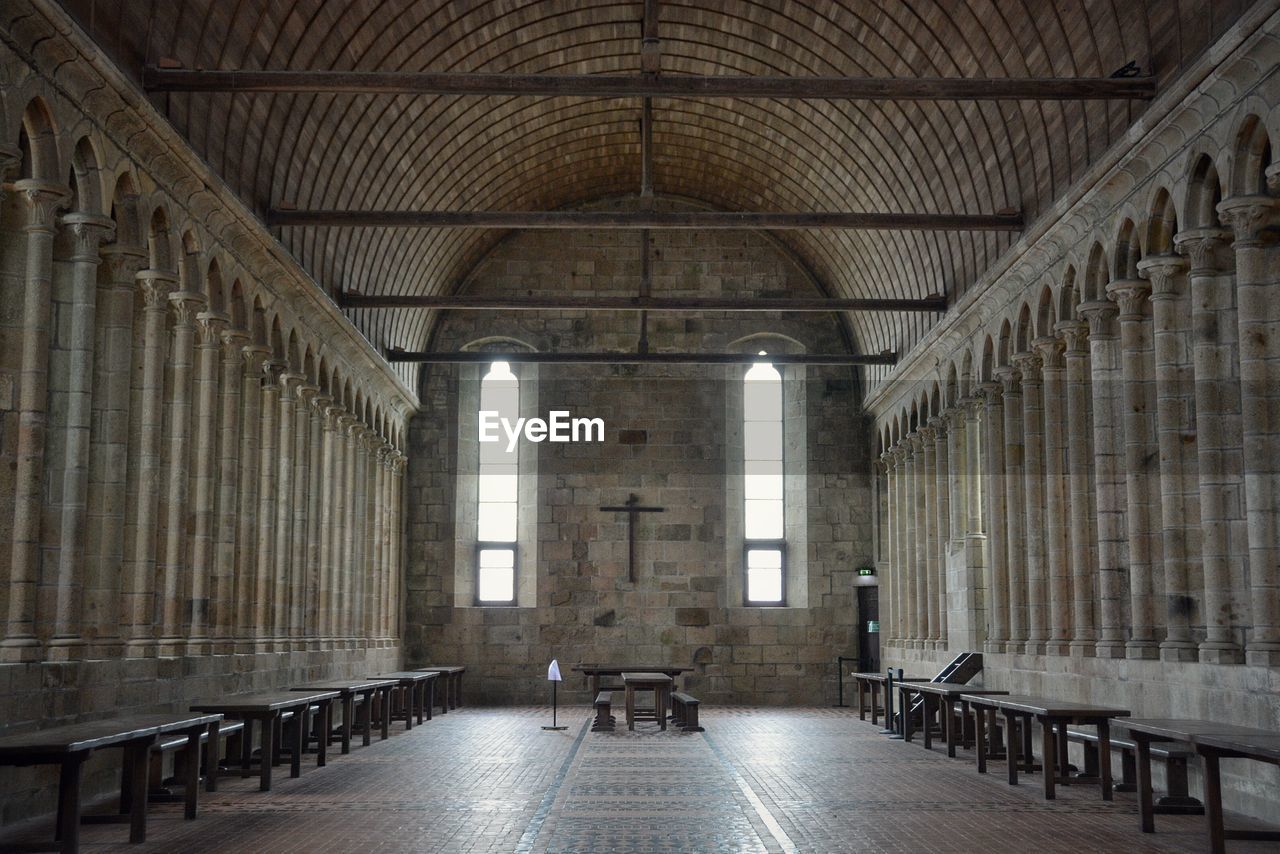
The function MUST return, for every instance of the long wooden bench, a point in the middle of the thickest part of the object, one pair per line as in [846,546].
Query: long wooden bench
[1178,801]
[684,712]
[160,792]
[604,717]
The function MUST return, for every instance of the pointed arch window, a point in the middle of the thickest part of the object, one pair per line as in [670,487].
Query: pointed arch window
[498,502]
[764,493]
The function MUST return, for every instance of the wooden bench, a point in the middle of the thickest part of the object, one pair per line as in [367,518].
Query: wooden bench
[165,745]
[604,718]
[267,710]
[356,698]
[1177,802]
[449,690]
[684,712]
[413,696]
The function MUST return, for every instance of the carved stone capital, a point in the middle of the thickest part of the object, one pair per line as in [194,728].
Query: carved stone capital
[320,402]
[973,404]
[1164,273]
[1075,337]
[210,326]
[255,356]
[915,444]
[1248,216]
[1129,295]
[233,341]
[1028,365]
[1273,177]
[1010,379]
[333,417]
[1202,246]
[123,263]
[10,159]
[992,394]
[305,393]
[927,435]
[186,305]
[156,285]
[1099,314]
[938,423]
[1051,352]
[289,382]
[88,233]
[271,371]
[44,200]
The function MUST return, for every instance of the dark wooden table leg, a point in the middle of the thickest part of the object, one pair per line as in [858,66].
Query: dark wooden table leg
[1050,752]
[927,713]
[385,706]
[367,735]
[299,740]
[429,689]
[405,696]
[979,739]
[1104,758]
[1064,762]
[326,721]
[1213,802]
[192,799]
[246,747]
[1028,755]
[904,703]
[631,707]
[1011,724]
[949,725]
[267,750]
[212,753]
[141,750]
[68,830]
[1146,811]
[348,711]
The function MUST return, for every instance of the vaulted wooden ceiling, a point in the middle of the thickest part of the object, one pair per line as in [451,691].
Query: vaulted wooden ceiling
[524,153]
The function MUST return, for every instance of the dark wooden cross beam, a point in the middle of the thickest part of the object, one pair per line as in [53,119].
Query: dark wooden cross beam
[502,302]
[631,508]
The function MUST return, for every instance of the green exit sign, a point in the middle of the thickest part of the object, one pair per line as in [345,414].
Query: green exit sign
[866,570]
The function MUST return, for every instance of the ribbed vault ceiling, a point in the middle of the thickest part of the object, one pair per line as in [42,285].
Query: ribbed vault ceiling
[363,151]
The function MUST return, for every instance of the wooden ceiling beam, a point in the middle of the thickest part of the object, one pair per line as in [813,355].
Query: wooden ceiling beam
[472,357]
[683,220]
[671,304]
[651,85]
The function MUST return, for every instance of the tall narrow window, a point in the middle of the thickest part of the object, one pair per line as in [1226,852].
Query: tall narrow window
[498,492]
[764,549]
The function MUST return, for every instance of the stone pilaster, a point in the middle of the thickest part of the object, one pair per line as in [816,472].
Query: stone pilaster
[247,565]
[901,582]
[317,505]
[71,400]
[265,581]
[1218,440]
[300,592]
[210,327]
[926,515]
[956,448]
[1033,487]
[939,485]
[223,613]
[973,602]
[1057,557]
[173,564]
[138,590]
[282,550]
[997,533]
[1258,318]
[1015,504]
[338,498]
[1140,453]
[42,201]
[372,504]
[108,452]
[349,515]
[1079,433]
[1180,509]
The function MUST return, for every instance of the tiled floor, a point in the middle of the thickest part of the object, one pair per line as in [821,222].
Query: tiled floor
[758,780]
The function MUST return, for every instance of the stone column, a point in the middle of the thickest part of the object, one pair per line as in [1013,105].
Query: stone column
[1079,431]
[1218,440]
[926,516]
[108,451]
[268,465]
[298,567]
[138,589]
[1140,450]
[900,579]
[317,524]
[210,325]
[1057,560]
[1033,488]
[888,610]
[347,550]
[997,555]
[1180,507]
[976,599]
[1015,509]
[1109,480]
[915,602]
[1258,318]
[75,388]
[282,512]
[373,504]
[248,595]
[338,500]
[173,566]
[400,463]
[384,573]
[43,201]
[940,485]
[956,488]
[223,586]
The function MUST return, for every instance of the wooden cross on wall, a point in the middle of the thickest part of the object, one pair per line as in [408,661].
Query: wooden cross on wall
[631,508]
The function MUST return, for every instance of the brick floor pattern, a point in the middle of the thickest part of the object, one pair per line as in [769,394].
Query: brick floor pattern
[759,780]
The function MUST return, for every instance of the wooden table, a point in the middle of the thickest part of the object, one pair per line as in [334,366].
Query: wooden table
[875,684]
[348,690]
[659,683]
[945,695]
[594,672]
[417,693]
[266,709]
[70,746]
[450,685]
[1258,745]
[1053,715]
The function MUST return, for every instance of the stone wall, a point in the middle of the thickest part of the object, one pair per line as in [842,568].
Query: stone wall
[670,439]
[1079,462]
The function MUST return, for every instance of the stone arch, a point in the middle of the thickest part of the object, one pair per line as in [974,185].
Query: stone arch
[309,367]
[935,400]
[1204,192]
[85,179]
[258,322]
[1128,251]
[756,341]
[1162,223]
[38,142]
[124,211]
[1045,316]
[967,386]
[238,308]
[189,271]
[953,385]
[213,283]
[160,241]
[1004,348]
[293,351]
[1025,329]
[276,341]
[1068,296]
[913,418]
[498,344]
[1250,158]
[988,360]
